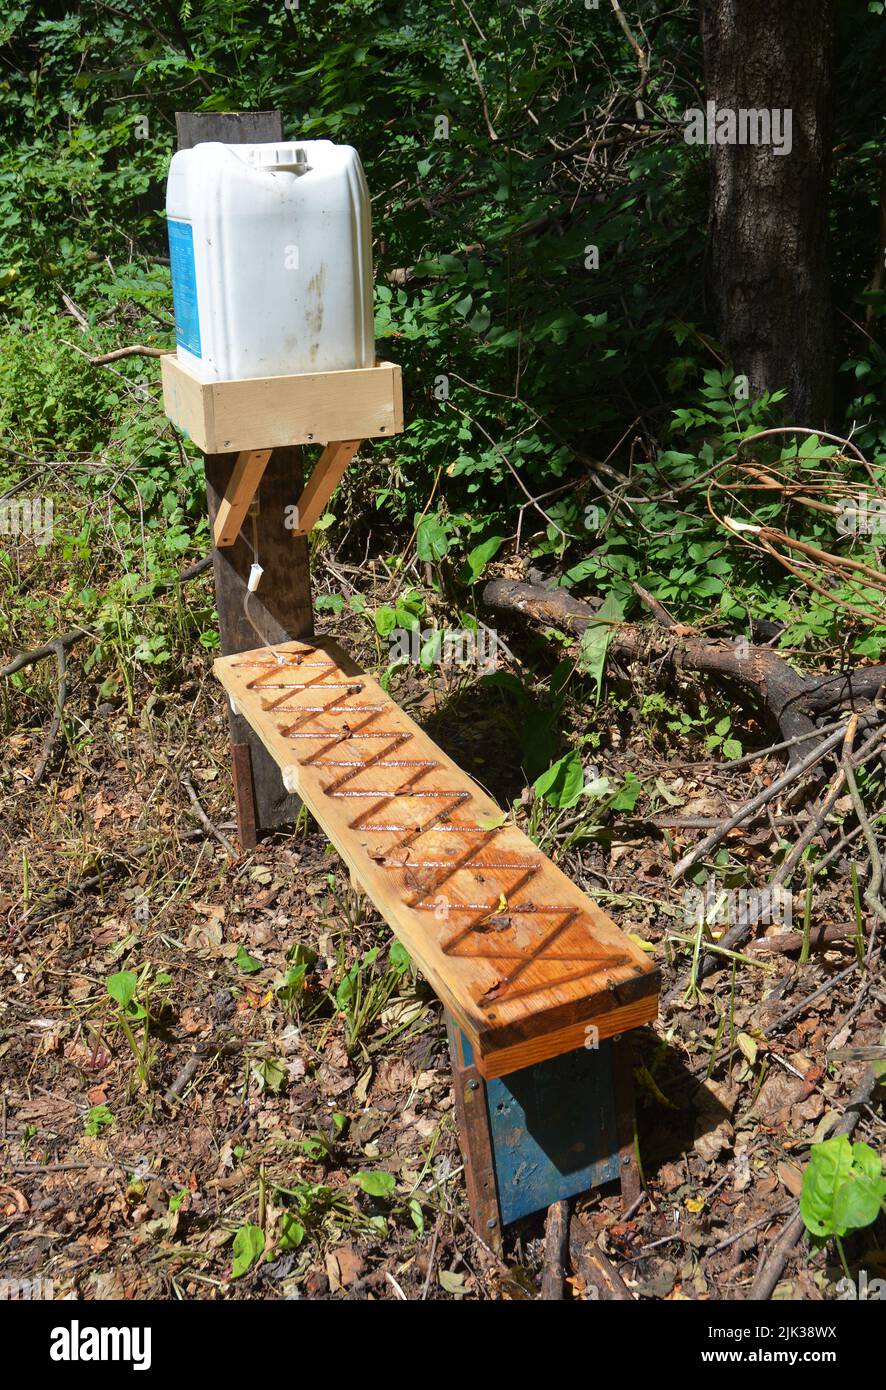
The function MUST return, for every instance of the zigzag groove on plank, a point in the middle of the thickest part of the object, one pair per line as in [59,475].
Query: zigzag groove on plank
[522,958]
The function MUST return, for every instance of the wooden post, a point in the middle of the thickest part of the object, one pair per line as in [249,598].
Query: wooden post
[229,127]
[625,1119]
[281,608]
[475,1140]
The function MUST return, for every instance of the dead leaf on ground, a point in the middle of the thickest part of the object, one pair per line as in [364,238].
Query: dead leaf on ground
[350,1262]
[204,936]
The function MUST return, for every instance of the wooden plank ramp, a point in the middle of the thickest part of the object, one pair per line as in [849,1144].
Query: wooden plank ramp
[526,963]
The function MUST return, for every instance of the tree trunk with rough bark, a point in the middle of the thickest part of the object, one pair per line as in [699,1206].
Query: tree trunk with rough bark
[769,270]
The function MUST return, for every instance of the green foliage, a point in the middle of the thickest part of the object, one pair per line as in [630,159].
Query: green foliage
[98,1119]
[563,783]
[377,1184]
[406,613]
[595,640]
[720,741]
[247,963]
[432,539]
[365,988]
[121,987]
[291,986]
[398,958]
[292,1232]
[139,999]
[269,1074]
[526,356]
[49,392]
[249,1245]
[843,1188]
[477,559]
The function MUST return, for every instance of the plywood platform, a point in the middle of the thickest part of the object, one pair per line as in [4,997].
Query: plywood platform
[525,962]
[270,412]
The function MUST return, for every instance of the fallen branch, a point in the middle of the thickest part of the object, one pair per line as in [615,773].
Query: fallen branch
[55,725]
[556,1251]
[206,822]
[67,639]
[600,1277]
[792,775]
[793,701]
[872,892]
[786,942]
[136,351]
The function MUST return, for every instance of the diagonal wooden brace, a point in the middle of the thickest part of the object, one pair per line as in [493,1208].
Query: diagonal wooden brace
[243,485]
[322,483]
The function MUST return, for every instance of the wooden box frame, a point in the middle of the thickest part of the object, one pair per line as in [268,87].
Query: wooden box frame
[275,411]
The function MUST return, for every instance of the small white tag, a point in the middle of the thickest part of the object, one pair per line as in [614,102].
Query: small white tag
[255,574]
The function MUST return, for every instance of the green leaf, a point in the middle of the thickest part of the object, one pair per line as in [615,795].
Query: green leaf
[409,609]
[595,641]
[269,1073]
[416,1214]
[597,788]
[562,784]
[345,990]
[843,1188]
[122,987]
[810,447]
[385,620]
[478,558]
[867,1161]
[627,797]
[334,602]
[429,654]
[398,957]
[707,586]
[247,962]
[857,1202]
[99,1118]
[290,987]
[431,540]
[292,1232]
[376,1184]
[249,1243]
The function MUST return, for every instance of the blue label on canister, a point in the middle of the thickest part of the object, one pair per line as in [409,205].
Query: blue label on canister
[184,286]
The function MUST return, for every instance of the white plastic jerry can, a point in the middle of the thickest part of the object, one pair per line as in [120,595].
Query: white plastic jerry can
[271,250]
